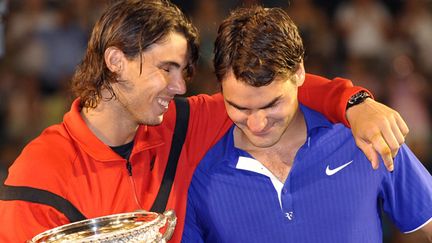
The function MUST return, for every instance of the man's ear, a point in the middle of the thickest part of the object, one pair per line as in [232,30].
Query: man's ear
[300,75]
[114,59]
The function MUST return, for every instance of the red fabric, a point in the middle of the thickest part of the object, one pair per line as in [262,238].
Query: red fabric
[68,160]
[329,98]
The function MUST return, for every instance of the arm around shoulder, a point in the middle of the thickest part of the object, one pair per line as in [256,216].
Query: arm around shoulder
[377,129]
[329,97]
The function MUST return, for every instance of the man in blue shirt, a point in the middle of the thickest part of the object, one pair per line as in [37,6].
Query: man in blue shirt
[283,172]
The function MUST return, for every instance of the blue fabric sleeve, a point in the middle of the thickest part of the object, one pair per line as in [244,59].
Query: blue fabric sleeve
[407,192]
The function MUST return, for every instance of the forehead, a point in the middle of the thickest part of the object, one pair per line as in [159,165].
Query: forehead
[172,48]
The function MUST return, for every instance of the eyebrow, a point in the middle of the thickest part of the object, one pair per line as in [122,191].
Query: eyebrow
[268,105]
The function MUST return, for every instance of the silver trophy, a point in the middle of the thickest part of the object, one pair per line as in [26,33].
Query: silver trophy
[139,226]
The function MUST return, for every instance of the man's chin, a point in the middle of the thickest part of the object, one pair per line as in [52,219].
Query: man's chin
[154,122]
[262,142]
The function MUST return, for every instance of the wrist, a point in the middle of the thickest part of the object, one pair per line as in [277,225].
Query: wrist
[357,98]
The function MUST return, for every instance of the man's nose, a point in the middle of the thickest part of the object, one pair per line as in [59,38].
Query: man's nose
[177,85]
[257,121]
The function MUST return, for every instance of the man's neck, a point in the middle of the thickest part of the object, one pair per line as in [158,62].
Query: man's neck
[278,158]
[106,122]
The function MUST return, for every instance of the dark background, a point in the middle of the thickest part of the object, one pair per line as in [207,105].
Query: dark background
[385,46]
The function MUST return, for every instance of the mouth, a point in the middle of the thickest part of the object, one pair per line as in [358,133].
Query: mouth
[164,102]
[259,134]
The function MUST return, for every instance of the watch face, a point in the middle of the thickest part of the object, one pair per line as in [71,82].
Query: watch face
[357,98]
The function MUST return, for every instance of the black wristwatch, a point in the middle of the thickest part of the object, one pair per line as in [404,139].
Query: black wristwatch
[357,98]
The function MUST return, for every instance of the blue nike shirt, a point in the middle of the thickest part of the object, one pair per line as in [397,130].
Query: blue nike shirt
[332,194]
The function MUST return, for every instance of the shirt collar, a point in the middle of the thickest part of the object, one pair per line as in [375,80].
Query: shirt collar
[314,120]
[84,137]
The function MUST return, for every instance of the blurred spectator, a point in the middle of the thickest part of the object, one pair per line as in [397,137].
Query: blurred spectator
[25,20]
[27,17]
[206,18]
[317,36]
[3,9]
[365,74]
[86,13]
[364,26]
[415,22]
[6,82]
[64,46]
[22,108]
[47,41]
[206,15]
[407,89]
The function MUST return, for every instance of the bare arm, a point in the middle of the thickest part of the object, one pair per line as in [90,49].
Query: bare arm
[426,231]
[423,234]
[377,129]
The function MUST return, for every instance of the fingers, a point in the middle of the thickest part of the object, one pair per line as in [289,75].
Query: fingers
[399,130]
[380,145]
[398,133]
[393,131]
[403,127]
[370,153]
[378,130]
[400,137]
[392,137]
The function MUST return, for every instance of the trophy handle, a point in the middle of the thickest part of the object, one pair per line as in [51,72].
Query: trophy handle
[171,221]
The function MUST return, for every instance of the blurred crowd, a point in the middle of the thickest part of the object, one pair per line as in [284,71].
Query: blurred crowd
[385,46]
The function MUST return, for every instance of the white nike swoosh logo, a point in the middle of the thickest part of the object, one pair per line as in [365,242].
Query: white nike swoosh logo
[331,172]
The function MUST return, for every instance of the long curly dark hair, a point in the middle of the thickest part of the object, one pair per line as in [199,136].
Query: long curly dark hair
[131,26]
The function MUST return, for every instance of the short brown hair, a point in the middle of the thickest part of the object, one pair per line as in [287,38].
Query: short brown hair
[258,44]
[132,26]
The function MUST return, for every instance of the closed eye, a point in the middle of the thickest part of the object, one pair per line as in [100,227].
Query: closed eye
[169,66]
[241,108]
[236,106]
[270,105]
[273,103]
